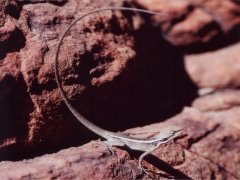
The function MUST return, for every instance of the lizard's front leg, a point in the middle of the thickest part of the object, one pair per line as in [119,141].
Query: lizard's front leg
[140,160]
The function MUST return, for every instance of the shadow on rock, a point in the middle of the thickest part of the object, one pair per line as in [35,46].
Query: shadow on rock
[15,42]
[157,86]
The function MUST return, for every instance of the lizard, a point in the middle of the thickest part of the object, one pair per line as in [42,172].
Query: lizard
[147,145]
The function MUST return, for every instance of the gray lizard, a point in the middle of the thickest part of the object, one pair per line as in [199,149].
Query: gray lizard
[118,139]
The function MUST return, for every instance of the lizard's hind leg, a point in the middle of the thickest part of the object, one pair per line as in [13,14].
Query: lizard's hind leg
[110,145]
[104,144]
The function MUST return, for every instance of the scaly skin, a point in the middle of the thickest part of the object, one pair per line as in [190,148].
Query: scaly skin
[117,139]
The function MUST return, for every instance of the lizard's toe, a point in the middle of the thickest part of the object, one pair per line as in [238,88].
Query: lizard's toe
[112,151]
[144,170]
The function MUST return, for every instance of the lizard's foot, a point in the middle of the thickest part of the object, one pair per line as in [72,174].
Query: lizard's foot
[148,171]
[111,150]
[144,170]
[109,147]
[111,143]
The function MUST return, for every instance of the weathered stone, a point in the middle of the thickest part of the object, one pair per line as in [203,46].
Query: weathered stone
[199,25]
[6,30]
[224,12]
[221,100]
[217,69]
[117,67]
[202,152]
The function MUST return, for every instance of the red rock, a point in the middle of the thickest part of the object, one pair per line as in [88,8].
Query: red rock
[202,152]
[224,12]
[197,24]
[218,69]
[6,30]
[218,101]
[192,29]
[115,72]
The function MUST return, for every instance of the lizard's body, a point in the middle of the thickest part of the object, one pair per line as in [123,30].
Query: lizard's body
[117,139]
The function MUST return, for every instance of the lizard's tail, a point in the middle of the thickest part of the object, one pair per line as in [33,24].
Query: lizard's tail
[101,132]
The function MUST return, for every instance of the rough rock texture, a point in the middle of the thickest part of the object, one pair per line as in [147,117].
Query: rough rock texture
[104,64]
[220,100]
[207,149]
[218,69]
[198,25]
[119,67]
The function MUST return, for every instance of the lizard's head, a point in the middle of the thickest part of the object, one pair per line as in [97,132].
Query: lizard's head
[169,133]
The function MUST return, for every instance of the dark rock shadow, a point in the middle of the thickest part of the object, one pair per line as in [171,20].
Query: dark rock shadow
[154,86]
[170,172]
[15,108]
[55,2]
[13,10]
[14,43]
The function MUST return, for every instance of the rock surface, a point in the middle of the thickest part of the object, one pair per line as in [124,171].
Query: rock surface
[199,25]
[203,151]
[114,71]
[218,69]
